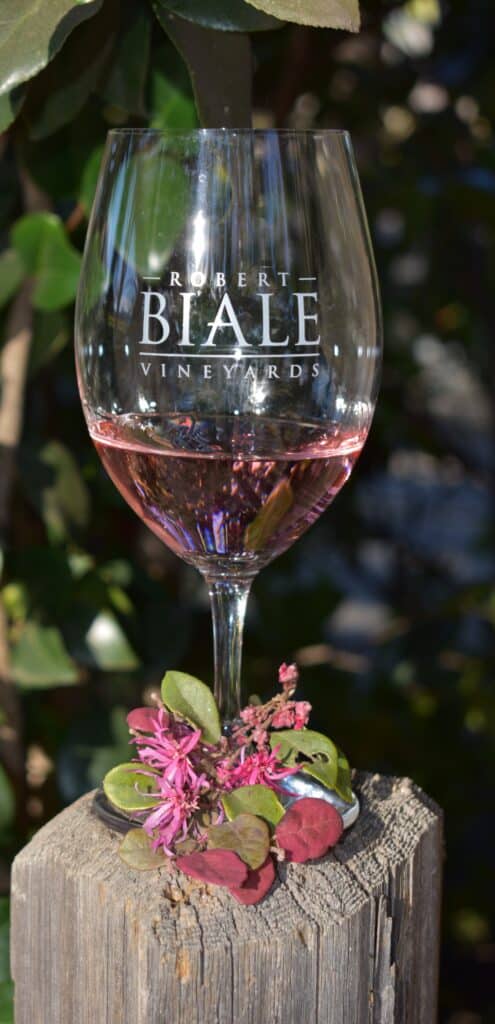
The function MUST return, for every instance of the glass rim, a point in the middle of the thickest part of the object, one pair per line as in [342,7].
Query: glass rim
[231,132]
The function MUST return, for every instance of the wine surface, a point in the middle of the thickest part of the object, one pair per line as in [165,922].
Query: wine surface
[227,494]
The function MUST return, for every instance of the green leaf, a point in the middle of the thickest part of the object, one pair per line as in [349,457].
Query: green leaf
[11,274]
[324,771]
[268,519]
[135,850]
[6,1002]
[4,939]
[318,748]
[31,33]
[322,13]
[123,87]
[108,644]
[54,485]
[305,741]
[15,599]
[62,89]
[172,108]
[258,800]
[343,784]
[163,202]
[247,835]
[40,659]
[230,15]
[187,696]
[128,789]
[6,986]
[7,802]
[47,254]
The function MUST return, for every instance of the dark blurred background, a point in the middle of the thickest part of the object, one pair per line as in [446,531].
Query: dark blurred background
[388,603]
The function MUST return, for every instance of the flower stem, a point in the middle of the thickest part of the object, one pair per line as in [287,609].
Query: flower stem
[228,608]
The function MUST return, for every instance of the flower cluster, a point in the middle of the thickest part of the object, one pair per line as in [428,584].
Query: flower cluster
[173,749]
[221,805]
[189,776]
[260,768]
[279,713]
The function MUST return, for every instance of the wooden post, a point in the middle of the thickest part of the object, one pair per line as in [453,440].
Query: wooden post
[350,939]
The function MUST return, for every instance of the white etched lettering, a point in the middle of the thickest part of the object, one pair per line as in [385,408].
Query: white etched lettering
[265,307]
[302,316]
[149,314]
[186,318]
[219,323]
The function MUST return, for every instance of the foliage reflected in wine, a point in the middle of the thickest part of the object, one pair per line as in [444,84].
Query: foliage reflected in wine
[226,493]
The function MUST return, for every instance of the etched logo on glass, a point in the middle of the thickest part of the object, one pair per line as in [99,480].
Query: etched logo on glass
[251,323]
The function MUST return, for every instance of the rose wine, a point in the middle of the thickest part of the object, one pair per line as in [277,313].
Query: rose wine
[226,493]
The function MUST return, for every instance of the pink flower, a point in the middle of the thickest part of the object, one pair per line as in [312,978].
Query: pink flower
[262,768]
[288,676]
[169,821]
[284,718]
[292,715]
[170,754]
[250,714]
[302,709]
[260,736]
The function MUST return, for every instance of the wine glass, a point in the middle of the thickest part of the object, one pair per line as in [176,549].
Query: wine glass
[228,345]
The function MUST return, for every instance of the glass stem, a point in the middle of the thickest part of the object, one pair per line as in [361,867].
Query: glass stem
[228,608]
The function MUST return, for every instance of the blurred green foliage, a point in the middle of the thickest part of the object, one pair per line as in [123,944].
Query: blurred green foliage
[389,602]
[6,987]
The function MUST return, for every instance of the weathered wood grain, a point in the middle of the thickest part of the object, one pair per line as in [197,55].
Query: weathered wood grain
[351,939]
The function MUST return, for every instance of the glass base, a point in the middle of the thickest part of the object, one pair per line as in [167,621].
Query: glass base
[300,784]
[110,816]
[295,787]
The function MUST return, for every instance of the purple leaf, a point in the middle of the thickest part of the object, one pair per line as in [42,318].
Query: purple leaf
[216,867]
[257,884]
[308,829]
[246,835]
[142,719]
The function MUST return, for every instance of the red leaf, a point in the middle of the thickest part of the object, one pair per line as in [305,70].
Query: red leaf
[216,867]
[142,719]
[257,883]
[308,829]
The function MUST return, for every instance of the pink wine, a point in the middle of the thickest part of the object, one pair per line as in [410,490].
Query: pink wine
[226,493]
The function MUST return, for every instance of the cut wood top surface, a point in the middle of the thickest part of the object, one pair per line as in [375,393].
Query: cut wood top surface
[394,815]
